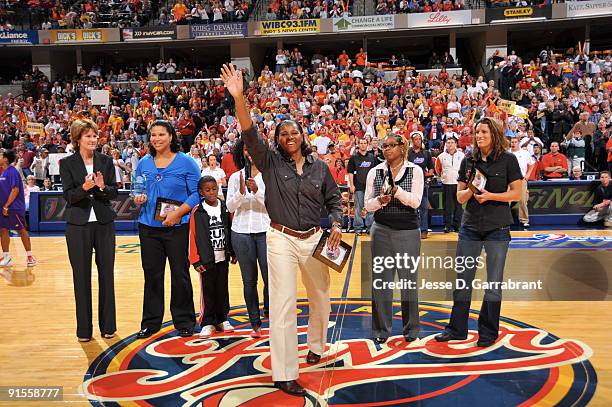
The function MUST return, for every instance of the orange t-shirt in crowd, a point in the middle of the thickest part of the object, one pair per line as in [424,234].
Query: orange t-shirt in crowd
[438,109]
[609,148]
[556,160]
[343,59]
[360,59]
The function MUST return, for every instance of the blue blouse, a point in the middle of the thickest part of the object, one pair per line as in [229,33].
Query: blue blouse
[178,181]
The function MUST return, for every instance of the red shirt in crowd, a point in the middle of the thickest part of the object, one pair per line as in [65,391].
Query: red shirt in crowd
[554,160]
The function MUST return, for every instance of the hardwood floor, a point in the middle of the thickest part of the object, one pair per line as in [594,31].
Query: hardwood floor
[39,347]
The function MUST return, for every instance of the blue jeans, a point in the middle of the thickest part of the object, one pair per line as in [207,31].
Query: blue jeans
[424,210]
[250,249]
[359,222]
[470,244]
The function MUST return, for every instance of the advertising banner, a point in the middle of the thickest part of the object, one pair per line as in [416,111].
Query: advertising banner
[439,19]
[149,33]
[19,37]
[76,36]
[279,27]
[517,13]
[366,23]
[588,8]
[218,30]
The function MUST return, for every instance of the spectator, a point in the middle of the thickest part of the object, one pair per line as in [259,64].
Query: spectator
[447,167]
[554,164]
[360,163]
[602,210]
[526,164]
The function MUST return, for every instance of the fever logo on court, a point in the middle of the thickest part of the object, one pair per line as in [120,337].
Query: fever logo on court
[526,366]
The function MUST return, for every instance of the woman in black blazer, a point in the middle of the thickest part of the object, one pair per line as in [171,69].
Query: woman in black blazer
[88,181]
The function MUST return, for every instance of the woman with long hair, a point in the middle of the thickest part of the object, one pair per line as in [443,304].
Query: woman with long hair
[246,200]
[171,182]
[394,189]
[298,187]
[486,223]
[88,185]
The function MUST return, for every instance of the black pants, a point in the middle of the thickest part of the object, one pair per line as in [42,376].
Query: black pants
[452,208]
[81,241]
[470,245]
[214,294]
[157,245]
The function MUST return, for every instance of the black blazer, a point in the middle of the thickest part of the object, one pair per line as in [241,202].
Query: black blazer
[72,173]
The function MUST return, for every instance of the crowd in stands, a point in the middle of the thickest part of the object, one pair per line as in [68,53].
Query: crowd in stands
[61,14]
[414,6]
[46,14]
[206,11]
[564,116]
[299,9]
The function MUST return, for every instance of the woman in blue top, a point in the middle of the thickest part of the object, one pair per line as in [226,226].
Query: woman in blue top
[171,179]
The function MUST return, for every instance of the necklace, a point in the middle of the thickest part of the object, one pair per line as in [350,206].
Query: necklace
[393,169]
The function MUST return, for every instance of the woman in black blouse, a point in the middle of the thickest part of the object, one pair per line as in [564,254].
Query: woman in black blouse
[485,223]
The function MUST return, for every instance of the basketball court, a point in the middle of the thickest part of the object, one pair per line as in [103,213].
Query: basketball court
[549,352]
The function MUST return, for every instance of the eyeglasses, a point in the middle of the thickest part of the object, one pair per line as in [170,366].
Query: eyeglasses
[389,146]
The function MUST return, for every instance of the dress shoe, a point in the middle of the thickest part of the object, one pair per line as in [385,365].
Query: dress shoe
[312,358]
[108,336]
[410,338]
[424,235]
[185,332]
[446,230]
[485,343]
[445,337]
[84,339]
[291,387]
[379,340]
[146,332]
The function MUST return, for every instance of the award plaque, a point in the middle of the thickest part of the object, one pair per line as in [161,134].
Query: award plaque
[477,181]
[335,259]
[163,206]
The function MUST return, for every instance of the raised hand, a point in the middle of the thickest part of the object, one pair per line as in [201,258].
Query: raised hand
[232,79]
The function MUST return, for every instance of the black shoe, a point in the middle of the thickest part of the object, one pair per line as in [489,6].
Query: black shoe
[410,338]
[446,230]
[185,332]
[485,343]
[424,235]
[146,332]
[312,358]
[380,340]
[291,387]
[266,313]
[445,337]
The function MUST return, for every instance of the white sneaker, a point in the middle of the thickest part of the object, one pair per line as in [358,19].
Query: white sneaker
[207,331]
[31,262]
[225,326]
[6,261]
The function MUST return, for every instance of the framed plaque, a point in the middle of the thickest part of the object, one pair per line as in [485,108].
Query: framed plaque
[335,259]
[163,206]
[477,181]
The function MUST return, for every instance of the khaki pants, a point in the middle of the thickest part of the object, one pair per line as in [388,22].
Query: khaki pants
[523,211]
[285,254]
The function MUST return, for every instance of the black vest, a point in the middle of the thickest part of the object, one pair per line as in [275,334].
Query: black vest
[396,215]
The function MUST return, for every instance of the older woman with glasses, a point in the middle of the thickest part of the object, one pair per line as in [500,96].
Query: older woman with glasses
[394,189]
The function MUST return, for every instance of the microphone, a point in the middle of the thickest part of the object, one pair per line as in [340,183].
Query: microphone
[247,171]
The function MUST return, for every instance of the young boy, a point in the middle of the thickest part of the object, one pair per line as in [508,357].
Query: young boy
[210,251]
